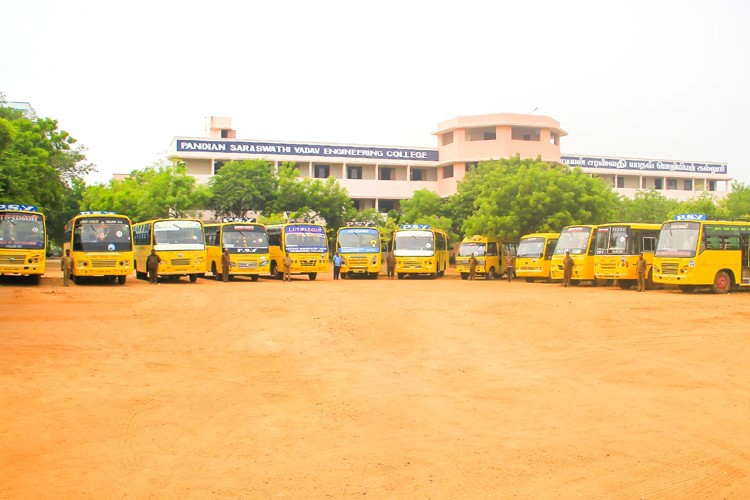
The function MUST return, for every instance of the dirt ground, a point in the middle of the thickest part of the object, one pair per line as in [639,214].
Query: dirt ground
[371,389]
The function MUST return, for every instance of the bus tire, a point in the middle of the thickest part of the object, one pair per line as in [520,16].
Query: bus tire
[254,277]
[625,284]
[530,280]
[722,282]
[464,276]
[76,280]
[400,276]
[490,274]
[312,276]
[121,279]
[35,279]
[193,278]
[650,285]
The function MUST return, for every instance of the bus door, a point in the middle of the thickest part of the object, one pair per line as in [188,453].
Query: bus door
[745,247]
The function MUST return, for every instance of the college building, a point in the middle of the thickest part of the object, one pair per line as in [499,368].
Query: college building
[379,177]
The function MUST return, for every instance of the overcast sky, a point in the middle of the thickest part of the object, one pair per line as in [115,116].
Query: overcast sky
[646,79]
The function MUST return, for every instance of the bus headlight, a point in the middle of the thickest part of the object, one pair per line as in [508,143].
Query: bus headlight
[82,263]
[232,264]
[374,260]
[199,260]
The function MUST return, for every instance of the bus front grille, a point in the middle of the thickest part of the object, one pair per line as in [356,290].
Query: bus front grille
[103,263]
[180,262]
[412,264]
[12,259]
[308,263]
[356,261]
[670,268]
[247,265]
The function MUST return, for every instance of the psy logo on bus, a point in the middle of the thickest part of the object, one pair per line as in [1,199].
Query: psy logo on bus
[690,217]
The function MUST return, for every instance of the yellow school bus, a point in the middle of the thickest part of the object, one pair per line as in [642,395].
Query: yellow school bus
[360,248]
[534,256]
[579,241]
[617,249]
[490,254]
[101,245]
[180,244]
[307,245]
[693,253]
[247,243]
[420,250]
[23,241]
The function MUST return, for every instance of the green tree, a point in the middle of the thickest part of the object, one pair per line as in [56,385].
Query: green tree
[512,197]
[737,203]
[646,206]
[422,203]
[243,185]
[704,203]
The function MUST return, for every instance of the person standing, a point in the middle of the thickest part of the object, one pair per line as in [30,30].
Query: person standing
[390,265]
[337,261]
[510,266]
[226,262]
[473,266]
[152,265]
[66,265]
[640,268]
[287,263]
[568,264]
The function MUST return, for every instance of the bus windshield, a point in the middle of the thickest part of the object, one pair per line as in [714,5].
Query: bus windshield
[612,240]
[416,243]
[359,240]
[21,231]
[178,235]
[244,239]
[468,249]
[530,247]
[102,234]
[678,239]
[574,240]
[305,239]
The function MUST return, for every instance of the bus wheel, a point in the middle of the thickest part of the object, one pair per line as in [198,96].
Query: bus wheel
[722,282]
[464,276]
[312,276]
[214,273]
[35,279]
[400,276]
[530,280]
[121,279]
[193,278]
[490,274]
[687,288]
[254,277]
[625,284]
[76,280]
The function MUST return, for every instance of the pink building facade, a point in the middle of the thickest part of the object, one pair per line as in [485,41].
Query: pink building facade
[381,176]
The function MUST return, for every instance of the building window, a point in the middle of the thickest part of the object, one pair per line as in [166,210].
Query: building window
[354,172]
[658,183]
[671,184]
[416,174]
[481,134]
[525,134]
[386,174]
[688,184]
[554,138]
[386,206]
[447,171]
[619,181]
[217,166]
[712,185]
[322,171]
[471,165]
[447,138]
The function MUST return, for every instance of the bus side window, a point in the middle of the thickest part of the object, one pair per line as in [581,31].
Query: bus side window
[492,249]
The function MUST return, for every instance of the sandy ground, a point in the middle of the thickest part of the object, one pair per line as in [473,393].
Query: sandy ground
[372,389]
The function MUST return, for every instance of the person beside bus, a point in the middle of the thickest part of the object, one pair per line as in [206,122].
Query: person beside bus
[287,263]
[640,268]
[473,266]
[152,265]
[226,261]
[66,265]
[390,264]
[568,264]
[510,264]
[337,261]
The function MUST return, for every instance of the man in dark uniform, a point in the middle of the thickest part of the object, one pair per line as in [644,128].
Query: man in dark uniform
[226,261]
[390,264]
[473,266]
[152,265]
[510,264]
[287,263]
[568,264]
[640,268]
[66,265]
